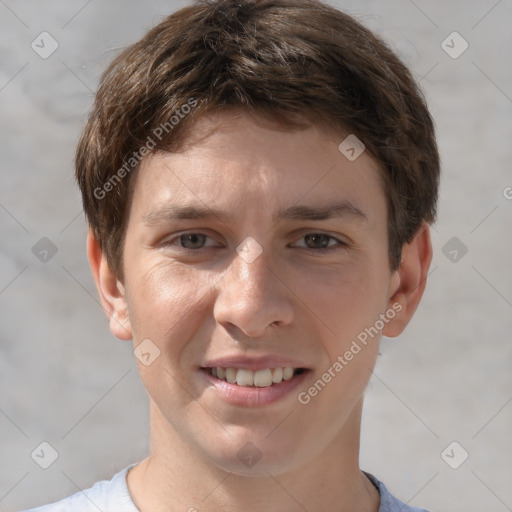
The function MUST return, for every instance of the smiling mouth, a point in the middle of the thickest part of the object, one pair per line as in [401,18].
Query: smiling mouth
[263,378]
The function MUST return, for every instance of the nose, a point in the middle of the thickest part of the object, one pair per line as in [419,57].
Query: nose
[251,297]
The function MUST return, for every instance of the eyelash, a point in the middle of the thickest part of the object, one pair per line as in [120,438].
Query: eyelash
[340,244]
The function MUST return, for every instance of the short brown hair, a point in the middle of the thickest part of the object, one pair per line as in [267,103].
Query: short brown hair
[291,61]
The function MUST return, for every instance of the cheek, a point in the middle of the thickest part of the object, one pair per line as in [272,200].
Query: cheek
[347,304]
[166,306]
[345,300]
[163,300]
[348,307]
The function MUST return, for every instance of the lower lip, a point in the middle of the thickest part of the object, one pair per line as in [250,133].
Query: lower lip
[254,396]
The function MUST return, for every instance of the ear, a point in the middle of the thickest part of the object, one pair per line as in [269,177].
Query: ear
[409,281]
[110,289]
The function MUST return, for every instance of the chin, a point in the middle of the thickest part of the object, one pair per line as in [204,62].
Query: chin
[258,457]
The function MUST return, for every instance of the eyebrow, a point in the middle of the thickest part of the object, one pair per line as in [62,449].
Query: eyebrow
[341,209]
[324,212]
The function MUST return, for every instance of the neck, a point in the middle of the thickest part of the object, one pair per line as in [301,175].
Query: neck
[175,478]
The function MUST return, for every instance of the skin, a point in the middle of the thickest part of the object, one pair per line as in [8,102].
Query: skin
[209,302]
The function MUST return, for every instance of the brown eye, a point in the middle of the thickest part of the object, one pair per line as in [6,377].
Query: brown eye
[317,240]
[320,242]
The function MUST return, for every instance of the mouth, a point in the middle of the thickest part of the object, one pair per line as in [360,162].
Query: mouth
[263,378]
[244,387]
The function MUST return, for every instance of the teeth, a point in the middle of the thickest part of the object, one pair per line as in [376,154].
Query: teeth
[245,377]
[260,378]
[287,373]
[277,375]
[263,378]
[231,375]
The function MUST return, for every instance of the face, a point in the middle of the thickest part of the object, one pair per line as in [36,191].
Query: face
[257,249]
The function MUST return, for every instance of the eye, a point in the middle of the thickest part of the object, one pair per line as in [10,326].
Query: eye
[191,241]
[321,241]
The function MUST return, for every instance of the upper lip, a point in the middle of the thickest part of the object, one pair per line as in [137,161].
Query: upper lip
[254,363]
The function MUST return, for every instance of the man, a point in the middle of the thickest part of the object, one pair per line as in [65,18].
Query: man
[259,179]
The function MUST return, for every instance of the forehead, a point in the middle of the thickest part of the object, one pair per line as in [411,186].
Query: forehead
[231,160]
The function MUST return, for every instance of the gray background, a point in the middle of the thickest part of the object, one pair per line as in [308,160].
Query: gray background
[64,379]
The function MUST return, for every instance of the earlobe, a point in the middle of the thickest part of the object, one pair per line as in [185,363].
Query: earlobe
[110,289]
[409,281]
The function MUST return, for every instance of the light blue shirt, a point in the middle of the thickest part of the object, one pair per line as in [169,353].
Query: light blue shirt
[113,496]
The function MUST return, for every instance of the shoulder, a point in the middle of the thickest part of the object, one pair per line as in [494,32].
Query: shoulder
[106,495]
[388,503]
